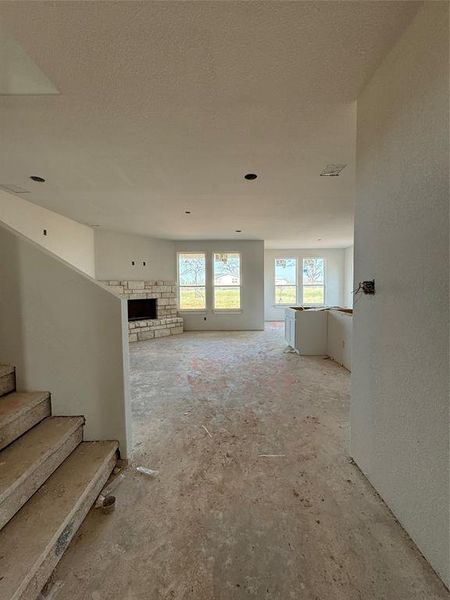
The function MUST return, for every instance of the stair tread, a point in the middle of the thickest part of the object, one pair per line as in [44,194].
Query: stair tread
[16,403]
[6,370]
[23,456]
[46,519]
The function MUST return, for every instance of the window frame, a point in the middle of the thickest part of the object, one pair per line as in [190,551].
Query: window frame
[204,286]
[284,304]
[226,310]
[314,284]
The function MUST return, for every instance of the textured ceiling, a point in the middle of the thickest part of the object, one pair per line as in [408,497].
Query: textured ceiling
[164,106]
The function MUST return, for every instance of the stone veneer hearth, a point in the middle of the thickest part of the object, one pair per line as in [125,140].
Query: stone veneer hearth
[167,321]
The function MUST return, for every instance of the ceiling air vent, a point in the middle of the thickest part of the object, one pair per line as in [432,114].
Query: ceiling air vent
[13,189]
[332,170]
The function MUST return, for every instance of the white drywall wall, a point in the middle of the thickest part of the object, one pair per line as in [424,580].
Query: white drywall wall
[400,370]
[66,238]
[339,336]
[67,334]
[334,277]
[251,315]
[348,278]
[115,252]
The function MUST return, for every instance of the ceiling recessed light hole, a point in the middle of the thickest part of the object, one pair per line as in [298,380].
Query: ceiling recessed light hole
[250,176]
[37,178]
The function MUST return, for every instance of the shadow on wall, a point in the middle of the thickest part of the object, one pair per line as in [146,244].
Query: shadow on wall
[67,334]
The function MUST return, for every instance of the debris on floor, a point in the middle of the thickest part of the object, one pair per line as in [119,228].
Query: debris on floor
[271,455]
[207,431]
[109,504]
[148,472]
[108,489]
[291,350]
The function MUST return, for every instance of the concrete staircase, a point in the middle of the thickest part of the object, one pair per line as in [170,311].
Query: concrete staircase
[49,479]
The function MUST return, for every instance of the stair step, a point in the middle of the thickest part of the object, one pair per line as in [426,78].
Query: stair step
[30,460]
[34,540]
[19,412]
[7,379]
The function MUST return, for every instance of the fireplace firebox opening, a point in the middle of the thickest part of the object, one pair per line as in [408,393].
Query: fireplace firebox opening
[141,309]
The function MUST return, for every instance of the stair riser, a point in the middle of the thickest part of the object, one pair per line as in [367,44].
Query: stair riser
[11,431]
[31,589]
[16,498]
[7,383]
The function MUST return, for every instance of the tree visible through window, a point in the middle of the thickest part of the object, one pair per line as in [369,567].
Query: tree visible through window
[285,281]
[313,281]
[227,281]
[192,281]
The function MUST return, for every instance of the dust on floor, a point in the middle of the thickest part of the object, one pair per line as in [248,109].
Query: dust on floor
[222,522]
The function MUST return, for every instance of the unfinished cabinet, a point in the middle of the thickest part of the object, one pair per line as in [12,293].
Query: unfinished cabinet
[306,330]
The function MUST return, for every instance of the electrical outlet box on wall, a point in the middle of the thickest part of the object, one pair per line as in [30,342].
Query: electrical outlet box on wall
[122,256]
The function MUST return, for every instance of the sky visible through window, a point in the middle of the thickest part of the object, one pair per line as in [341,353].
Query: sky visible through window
[285,281]
[192,281]
[285,271]
[192,269]
[313,281]
[227,264]
[312,284]
[227,281]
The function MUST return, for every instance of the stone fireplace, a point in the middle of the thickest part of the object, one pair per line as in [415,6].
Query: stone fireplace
[152,308]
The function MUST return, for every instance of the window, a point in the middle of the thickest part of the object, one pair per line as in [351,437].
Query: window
[285,281]
[313,281]
[192,281]
[227,281]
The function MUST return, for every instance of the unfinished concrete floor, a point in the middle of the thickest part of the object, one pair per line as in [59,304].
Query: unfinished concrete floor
[222,522]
